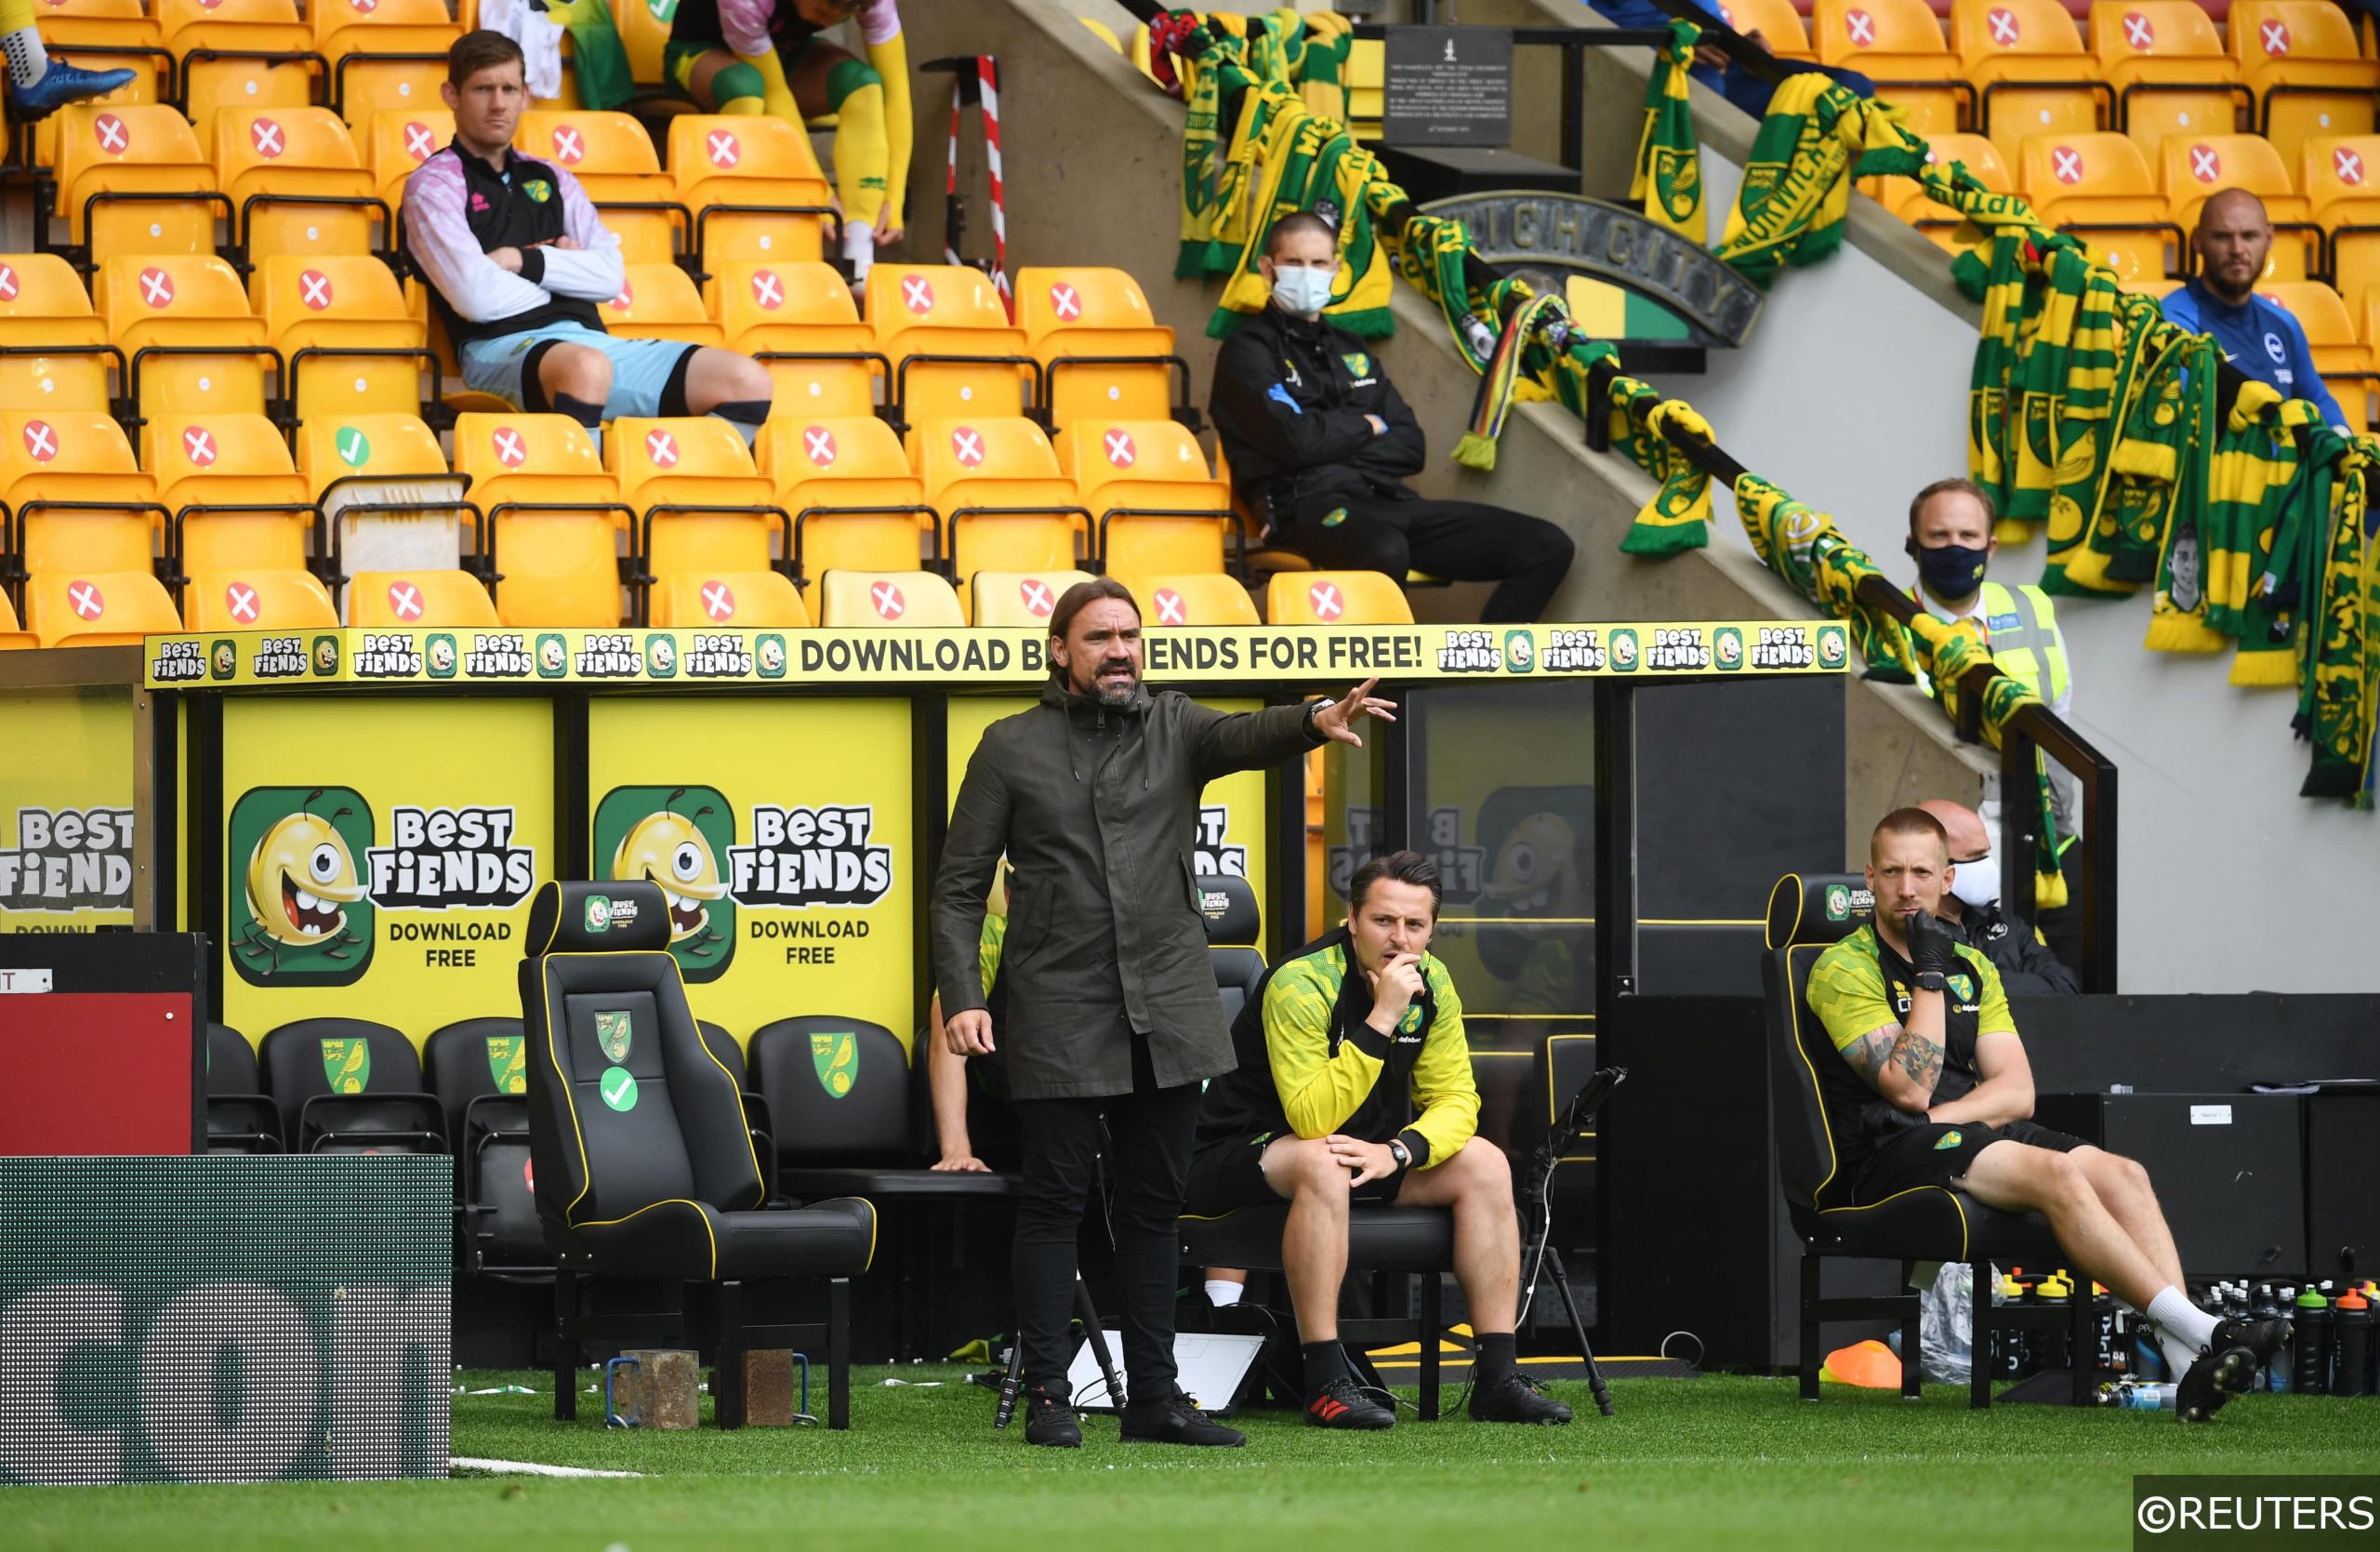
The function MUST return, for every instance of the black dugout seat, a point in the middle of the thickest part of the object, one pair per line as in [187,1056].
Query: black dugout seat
[644,1167]
[240,1116]
[839,1101]
[347,1086]
[721,1044]
[1234,929]
[1807,913]
[479,1069]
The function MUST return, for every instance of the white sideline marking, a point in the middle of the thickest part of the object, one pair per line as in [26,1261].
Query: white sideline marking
[531,1468]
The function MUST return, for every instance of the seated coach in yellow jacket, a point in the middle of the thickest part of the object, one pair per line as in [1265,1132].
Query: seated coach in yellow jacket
[1354,1085]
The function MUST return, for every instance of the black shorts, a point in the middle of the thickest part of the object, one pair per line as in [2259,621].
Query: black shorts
[1936,1153]
[1228,1175]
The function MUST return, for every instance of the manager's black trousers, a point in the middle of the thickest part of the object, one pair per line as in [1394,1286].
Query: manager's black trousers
[1148,1136]
[1462,541]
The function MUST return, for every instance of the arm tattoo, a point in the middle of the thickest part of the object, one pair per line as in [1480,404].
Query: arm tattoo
[1921,1058]
[1868,1052]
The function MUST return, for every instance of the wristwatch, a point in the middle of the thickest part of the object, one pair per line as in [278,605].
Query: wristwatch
[1929,980]
[1313,709]
[1398,1152]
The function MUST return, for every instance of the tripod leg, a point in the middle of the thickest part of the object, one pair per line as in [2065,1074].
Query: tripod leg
[1098,1340]
[1601,1392]
[1010,1384]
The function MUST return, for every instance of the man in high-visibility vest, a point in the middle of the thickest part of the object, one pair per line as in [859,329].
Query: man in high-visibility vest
[1950,536]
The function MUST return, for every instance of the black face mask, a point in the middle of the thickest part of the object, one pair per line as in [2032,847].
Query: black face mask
[1950,570]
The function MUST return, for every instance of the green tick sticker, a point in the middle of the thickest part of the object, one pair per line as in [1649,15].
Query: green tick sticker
[618,1088]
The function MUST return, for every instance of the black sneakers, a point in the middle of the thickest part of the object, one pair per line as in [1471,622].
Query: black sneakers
[2265,1336]
[1515,1397]
[2216,1377]
[1170,1419]
[1341,1403]
[1050,1421]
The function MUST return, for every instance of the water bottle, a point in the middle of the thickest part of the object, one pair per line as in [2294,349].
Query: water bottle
[2015,1361]
[2049,1345]
[2309,1343]
[2235,1302]
[2137,1396]
[2281,1302]
[2114,1342]
[2352,1331]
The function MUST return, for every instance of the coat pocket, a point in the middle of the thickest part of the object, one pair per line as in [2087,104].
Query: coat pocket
[1028,926]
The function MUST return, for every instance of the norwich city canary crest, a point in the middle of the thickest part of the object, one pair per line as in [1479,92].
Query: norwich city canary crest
[348,1064]
[837,1058]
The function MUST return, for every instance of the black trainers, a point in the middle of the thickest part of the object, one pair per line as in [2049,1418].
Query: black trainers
[1341,1403]
[2214,1380]
[1515,1397]
[1172,1420]
[2265,1337]
[1050,1421]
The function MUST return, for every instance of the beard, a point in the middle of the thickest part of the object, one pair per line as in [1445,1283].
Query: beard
[1112,697]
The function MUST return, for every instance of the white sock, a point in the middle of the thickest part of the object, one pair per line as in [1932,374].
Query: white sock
[1222,1292]
[28,60]
[859,249]
[2182,1329]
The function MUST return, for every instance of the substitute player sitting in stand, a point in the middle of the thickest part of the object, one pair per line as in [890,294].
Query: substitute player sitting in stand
[517,260]
[1932,1089]
[1357,1088]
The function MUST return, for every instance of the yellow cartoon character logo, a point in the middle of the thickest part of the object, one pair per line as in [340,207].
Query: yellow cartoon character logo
[305,908]
[674,838]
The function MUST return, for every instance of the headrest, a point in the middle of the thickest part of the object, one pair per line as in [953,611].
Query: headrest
[573,918]
[1818,907]
[1229,906]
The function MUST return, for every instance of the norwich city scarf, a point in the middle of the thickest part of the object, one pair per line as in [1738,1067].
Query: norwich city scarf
[2342,688]
[1812,557]
[1797,181]
[1669,161]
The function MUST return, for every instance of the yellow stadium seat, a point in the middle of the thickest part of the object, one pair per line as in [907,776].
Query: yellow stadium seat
[2300,59]
[338,314]
[103,35]
[358,37]
[719,600]
[265,56]
[12,638]
[1155,505]
[800,321]
[659,302]
[978,363]
[1017,597]
[703,507]
[218,474]
[1003,501]
[644,30]
[1897,43]
[398,143]
[2166,63]
[423,600]
[114,168]
[81,501]
[558,565]
[1103,352]
[96,608]
[1191,598]
[856,503]
[1780,27]
[2097,185]
[252,599]
[2028,57]
[294,176]
[43,303]
[614,160]
[749,162]
[2340,178]
[2330,329]
[2157,290]
[381,446]
[915,598]
[194,308]
[1335,598]
[2192,169]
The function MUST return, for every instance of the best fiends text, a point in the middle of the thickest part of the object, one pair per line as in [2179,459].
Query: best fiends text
[811,856]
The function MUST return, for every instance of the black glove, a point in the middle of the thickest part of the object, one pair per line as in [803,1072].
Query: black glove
[1931,947]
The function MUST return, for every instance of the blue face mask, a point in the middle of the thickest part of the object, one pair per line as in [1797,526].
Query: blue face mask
[1950,570]
[1302,292]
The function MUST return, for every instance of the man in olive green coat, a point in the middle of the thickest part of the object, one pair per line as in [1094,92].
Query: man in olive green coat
[1112,1008]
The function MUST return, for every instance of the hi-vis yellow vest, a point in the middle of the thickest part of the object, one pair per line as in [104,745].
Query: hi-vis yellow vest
[2024,640]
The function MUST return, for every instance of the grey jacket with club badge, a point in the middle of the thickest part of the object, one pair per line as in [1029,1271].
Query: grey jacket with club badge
[1097,810]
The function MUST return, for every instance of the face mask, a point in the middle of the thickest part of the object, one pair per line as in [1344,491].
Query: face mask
[1302,292]
[1951,571]
[1977,883]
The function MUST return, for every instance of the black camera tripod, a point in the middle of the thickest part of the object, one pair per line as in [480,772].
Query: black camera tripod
[1538,1210]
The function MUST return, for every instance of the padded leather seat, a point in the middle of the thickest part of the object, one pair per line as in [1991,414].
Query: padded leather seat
[1379,1238]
